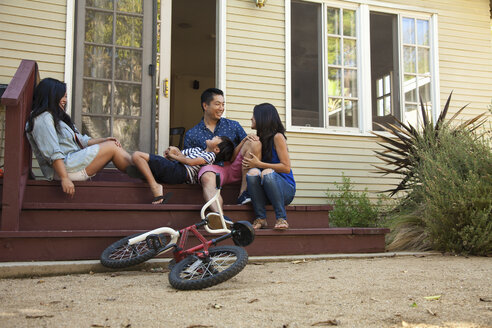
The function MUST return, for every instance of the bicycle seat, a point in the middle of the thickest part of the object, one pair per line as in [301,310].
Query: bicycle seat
[214,222]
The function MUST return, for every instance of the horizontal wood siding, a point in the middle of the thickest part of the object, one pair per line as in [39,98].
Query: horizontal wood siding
[255,72]
[31,30]
[255,58]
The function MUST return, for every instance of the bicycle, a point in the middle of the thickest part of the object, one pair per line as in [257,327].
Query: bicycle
[197,267]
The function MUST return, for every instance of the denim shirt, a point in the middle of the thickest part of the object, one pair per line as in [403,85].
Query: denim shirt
[49,145]
[196,136]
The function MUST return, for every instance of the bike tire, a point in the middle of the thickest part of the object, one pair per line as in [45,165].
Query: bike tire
[224,262]
[121,255]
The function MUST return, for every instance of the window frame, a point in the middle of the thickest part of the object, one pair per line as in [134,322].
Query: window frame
[363,9]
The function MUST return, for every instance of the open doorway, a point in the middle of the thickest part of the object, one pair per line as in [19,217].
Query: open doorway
[192,59]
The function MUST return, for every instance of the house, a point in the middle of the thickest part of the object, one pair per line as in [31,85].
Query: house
[376,58]
[332,68]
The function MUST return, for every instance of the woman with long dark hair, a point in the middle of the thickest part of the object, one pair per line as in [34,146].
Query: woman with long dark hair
[270,180]
[62,152]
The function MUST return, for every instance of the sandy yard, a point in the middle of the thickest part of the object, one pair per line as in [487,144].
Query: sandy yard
[410,291]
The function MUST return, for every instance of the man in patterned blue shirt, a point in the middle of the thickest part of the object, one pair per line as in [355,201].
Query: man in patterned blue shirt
[213,124]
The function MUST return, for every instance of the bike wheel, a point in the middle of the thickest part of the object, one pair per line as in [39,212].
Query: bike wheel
[122,255]
[223,263]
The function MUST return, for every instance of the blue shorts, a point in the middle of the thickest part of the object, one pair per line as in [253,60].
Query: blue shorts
[167,171]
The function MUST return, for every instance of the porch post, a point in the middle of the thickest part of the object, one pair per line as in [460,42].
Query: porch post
[18,101]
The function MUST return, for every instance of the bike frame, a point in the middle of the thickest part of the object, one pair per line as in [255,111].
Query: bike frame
[179,251]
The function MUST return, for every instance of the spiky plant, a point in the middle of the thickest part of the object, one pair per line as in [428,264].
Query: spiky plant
[400,148]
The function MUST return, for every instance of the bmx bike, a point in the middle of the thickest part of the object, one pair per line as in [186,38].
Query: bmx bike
[198,267]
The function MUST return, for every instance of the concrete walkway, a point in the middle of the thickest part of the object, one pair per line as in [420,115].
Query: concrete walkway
[54,268]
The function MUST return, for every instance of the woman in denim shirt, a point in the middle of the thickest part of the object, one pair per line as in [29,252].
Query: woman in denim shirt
[62,152]
[270,180]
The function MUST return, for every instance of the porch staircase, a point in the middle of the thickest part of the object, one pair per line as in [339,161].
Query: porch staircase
[39,222]
[55,227]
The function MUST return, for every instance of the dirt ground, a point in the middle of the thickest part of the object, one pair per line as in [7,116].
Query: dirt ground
[410,291]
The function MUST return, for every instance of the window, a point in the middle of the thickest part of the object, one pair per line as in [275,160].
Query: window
[112,81]
[332,79]
[342,67]
[385,68]
[383,95]
[307,102]
[416,66]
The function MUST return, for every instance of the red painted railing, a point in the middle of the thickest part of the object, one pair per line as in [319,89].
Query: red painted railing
[17,99]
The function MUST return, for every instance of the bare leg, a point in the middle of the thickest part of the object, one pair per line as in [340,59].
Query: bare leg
[109,152]
[141,161]
[249,147]
[209,189]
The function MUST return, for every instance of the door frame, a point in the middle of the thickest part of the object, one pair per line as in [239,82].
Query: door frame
[164,109]
[165,65]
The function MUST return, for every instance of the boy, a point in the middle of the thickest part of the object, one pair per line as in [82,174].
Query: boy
[180,166]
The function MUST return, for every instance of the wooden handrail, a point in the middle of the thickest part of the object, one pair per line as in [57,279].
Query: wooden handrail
[17,99]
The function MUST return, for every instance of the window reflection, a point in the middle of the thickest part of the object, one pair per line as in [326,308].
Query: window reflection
[113,55]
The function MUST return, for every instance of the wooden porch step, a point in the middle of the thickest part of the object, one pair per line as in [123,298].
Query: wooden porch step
[98,216]
[119,192]
[88,244]
[55,227]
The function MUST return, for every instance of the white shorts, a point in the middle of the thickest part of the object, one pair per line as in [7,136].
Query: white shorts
[76,176]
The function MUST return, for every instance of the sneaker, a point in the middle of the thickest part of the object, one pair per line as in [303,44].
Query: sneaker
[244,198]
[228,222]
[214,221]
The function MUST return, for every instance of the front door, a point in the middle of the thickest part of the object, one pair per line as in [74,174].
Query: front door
[187,34]
[113,71]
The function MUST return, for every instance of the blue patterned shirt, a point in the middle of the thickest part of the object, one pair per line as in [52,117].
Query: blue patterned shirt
[196,136]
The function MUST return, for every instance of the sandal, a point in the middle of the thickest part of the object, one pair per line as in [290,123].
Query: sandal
[161,200]
[259,224]
[281,224]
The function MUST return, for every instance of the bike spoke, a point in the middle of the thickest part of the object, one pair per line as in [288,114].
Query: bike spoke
[129,251]
[215,264]
[223,261]
[199,271]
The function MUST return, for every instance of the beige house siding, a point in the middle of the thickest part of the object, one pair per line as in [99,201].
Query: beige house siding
[31,30]
[255,73]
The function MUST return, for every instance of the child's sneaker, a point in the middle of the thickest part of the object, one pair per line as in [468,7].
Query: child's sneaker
[244,198]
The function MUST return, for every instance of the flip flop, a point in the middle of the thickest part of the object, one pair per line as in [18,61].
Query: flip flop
[164,198]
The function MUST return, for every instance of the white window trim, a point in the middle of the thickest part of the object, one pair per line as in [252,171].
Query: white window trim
[363,8]
[434,62]
[69,48]
[221,47]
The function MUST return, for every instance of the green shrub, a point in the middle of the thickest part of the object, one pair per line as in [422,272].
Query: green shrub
[446,170]
[353,209]
[455,175]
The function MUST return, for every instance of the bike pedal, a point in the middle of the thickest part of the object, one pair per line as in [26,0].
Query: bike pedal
[156,242]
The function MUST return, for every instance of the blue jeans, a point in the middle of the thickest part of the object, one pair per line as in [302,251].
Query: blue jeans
[272,189]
